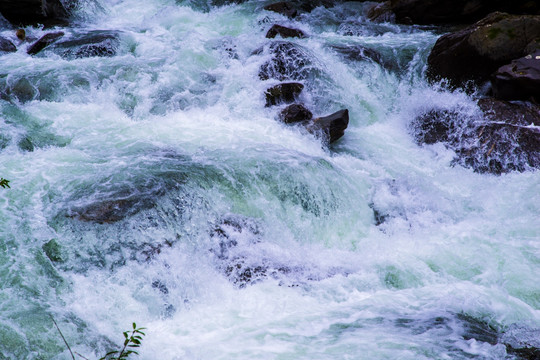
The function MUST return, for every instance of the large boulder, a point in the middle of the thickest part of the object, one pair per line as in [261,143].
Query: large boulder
[331,127]
[519,80]
[475,52]
[500,141]
[288,62]
[455,11]
[32,12]
[96,43]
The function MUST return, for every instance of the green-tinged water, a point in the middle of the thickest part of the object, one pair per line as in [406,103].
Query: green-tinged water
[155,187]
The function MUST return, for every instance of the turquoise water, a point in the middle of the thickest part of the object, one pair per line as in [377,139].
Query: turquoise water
[172,137]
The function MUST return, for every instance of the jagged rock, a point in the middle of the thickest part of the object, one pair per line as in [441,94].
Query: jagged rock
[44,41]
[97,43]
[6,46]
[332,127]
[284,32]
[475,52]
[295,113]
[289,62]
[32,12]
[519,80]
[283,93]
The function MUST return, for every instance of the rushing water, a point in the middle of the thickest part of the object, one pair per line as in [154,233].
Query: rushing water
[238,237]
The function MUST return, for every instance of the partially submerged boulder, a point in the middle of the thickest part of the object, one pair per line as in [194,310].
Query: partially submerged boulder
[283,93]
[284,32]
[295,113]
[475,52]
[44,41]
[519,80]
[363,53]
[505,138]
[33,12]
[283,8]
[331,127]
[96,43]
[6,46]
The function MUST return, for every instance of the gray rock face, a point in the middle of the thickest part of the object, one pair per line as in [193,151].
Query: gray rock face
[519,80]
[475,52]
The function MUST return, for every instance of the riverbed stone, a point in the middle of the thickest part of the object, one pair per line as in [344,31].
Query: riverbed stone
[331,127]
[6,46]
[44,41]
[283,93]
[295,113]
[96,43]
[474,53]
[284,32]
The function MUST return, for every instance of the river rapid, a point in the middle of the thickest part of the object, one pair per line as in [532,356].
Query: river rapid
[236,236]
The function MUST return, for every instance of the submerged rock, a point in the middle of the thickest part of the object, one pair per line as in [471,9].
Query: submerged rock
[6,46]
[519,80]
[362,53]
[53,251]
[295,113]
[289,62]
[284,32]
[44,41]
[283,93]
[97,43]
[32,12]
[110,211]
[332,127]
[475,52]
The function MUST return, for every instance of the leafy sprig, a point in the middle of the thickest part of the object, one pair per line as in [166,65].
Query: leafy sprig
[4,183]
[131,341]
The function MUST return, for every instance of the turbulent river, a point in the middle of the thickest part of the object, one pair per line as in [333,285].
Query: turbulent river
[231,235]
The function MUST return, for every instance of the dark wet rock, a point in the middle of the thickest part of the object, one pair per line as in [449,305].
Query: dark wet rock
[378,216]
[32,12]
[289,62]
[241,274]
[283,93]
[230,231]
[53,251]
[331,127]
[475,52]
[6,46]
[22,90]
[159,285]
[456,11]
[283,8]
[97,43]
[478,330]
[519,80]
[501,140]
[435,126]
[295,113]
[284,32]
[381,12]
[44,41]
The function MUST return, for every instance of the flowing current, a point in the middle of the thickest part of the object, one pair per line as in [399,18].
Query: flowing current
[155,187]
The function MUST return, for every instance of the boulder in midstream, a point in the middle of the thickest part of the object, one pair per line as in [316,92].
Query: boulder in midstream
[331,127]
[283,93]
[295,113]
[284,32]
[44,41]
[519,80]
